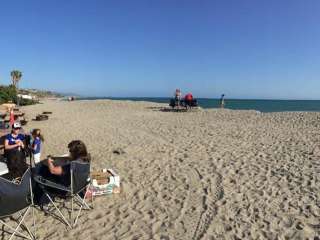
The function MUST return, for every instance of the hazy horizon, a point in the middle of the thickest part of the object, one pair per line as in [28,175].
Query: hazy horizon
[198,97]
[68,94]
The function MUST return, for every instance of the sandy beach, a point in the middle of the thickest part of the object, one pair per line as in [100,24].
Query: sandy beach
[205,174]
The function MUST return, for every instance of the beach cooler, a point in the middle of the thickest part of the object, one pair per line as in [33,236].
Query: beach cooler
[106,181]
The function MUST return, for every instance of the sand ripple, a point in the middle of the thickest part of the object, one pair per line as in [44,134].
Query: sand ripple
[209,174]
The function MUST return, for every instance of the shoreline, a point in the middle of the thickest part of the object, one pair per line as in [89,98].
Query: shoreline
[264,106]
[166,105]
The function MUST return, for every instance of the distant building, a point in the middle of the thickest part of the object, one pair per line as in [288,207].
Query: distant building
[23,96]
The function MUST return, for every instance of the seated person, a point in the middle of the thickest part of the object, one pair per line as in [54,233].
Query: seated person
[60,174]
[188,99]
[17,166]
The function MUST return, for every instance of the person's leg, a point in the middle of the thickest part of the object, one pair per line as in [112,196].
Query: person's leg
[188,103]
[39,196]
[36,158]
[176,101]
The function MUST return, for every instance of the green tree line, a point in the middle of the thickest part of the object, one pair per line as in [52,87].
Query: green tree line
[10,93]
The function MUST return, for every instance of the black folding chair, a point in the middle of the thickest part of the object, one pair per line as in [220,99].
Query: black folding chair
[75,192]
[17,199]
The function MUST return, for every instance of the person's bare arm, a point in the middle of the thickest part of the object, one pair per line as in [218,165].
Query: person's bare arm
[55,170]
[8,147]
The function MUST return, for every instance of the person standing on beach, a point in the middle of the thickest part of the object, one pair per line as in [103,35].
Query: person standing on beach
[14,140]
[177,97]
[222,101]
[36,145]
[14,143]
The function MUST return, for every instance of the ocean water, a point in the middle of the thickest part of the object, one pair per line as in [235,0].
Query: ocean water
[240,104]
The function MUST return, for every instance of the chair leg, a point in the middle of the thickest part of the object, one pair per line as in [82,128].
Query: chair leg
[12,229]
[82,201]
[27,228]
[20,222]
[30,233]
[33,206]
[34,223]
[76,219]
[83,205]
[55,206]
[71,214]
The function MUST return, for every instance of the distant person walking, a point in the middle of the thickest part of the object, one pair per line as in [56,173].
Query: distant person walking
[222,101]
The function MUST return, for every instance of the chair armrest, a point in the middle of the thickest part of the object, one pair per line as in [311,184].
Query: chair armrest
[45,182]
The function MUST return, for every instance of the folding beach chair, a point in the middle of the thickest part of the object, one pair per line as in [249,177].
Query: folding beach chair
[16,199]
[75,192]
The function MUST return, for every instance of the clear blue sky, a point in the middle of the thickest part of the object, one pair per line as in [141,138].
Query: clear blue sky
[245,49]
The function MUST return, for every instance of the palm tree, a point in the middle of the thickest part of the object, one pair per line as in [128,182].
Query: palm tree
[16,76]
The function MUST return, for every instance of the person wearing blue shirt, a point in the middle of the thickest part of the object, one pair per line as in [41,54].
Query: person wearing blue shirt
[36,145]
[14,140]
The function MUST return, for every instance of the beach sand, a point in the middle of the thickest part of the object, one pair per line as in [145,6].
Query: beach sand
[205,174]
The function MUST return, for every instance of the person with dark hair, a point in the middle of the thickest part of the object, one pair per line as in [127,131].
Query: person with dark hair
[78,152]
[14,140]
[60,173]
[36,145]
[222,101]
[14,145]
